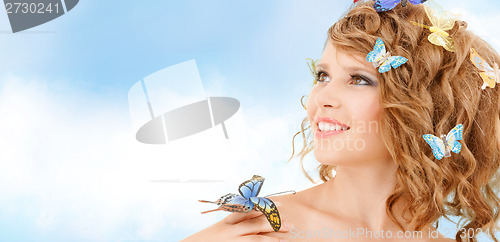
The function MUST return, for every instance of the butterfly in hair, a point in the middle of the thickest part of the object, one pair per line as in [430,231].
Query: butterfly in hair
[386,5]
[441,146]
[312,68]
[441,21]
[490,75]
[382,59]
[248,200]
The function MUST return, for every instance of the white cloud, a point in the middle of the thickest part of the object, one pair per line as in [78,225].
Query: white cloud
[73,158]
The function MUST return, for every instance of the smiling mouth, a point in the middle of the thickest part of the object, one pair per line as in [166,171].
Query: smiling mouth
[327,126]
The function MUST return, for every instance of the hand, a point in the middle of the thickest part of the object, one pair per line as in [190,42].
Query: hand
[251,226]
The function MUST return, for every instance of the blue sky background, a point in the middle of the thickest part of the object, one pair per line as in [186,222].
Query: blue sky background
[70,168]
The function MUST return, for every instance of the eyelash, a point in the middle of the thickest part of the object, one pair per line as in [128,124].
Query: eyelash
[353,77]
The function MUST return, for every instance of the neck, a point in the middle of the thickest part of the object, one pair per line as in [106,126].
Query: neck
[359,194]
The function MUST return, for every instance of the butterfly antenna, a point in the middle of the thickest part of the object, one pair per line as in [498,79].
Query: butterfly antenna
[205,201]
[420,25]
[217,209]
[281,193]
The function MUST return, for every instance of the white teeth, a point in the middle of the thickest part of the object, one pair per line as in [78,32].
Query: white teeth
[323,126]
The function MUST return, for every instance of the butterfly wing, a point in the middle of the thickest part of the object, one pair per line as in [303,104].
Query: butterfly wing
[447,20]
[269,209]
[397,61]
[385,5]
[415,2]
[488,74]
[453,136]
[378,51]
[436,144]
[441,19]
[251,188]
[394,61]
[488,78]
[478,61]
[236,203]
[442,40]
[432,11]
[385,67]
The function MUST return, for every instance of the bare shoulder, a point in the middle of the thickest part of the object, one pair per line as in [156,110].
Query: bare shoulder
[296,208]
[301,198]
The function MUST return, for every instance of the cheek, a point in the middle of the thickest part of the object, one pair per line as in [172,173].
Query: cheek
[311,106]
[366,116]
[367,109]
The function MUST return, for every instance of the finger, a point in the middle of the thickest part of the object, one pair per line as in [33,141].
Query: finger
[258,225]
[261,238]
[234,218]
[281,235]
[285,228]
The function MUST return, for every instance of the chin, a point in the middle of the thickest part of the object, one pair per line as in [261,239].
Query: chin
[333,158]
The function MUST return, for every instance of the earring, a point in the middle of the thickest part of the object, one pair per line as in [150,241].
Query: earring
[303,103]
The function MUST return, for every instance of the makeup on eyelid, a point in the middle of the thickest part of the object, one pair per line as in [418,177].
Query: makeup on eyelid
[320,73]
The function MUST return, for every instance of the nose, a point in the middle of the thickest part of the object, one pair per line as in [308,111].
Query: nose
[328,97]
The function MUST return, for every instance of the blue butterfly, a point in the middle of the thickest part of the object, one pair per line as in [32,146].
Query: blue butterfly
[386,5]
[248,200]
[442,146]
[380,58]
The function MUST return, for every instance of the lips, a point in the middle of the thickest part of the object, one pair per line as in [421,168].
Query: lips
[330,127]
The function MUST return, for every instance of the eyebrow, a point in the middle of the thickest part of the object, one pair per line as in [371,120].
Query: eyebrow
[363,69]
[322,65]
[353,68]
[356,68]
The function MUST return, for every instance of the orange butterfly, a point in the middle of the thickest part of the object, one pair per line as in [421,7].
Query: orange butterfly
[490,75]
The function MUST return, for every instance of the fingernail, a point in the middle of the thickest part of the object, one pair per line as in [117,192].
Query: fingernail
[288,225]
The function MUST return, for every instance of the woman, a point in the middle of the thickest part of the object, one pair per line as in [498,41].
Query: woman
[387,183]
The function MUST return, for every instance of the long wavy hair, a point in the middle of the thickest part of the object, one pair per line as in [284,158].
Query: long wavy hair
[430,94]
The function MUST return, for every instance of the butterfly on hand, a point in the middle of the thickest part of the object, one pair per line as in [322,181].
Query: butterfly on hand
[490,75]
[386,5]
[382,59]
[441,21]
[248,200]
[441,146]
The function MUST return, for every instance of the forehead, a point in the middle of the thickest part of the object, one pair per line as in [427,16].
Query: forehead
[333,57]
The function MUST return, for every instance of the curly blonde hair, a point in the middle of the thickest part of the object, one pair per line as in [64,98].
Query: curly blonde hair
[434,91]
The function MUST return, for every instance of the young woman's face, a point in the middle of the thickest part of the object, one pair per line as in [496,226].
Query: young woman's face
[345,100]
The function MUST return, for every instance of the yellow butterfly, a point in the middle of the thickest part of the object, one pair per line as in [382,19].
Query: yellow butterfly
[312,68]
[441,22]
[314,73]
[490,75]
